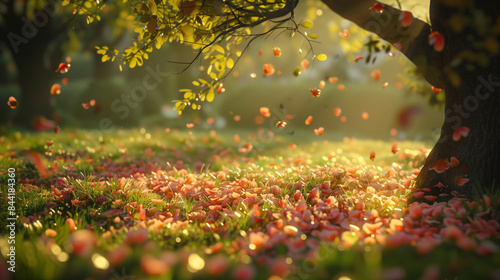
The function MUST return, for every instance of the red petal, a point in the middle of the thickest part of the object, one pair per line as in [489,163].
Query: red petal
[418,194]
[319,131]
[309,120]
[55,89]
[454,162]
[12,102]
[304,64]
[358,58]
[268,69]
[461,180]
[375,74]
[344,34]
[372,155]
[459,132]
[378,7]
[337,112]
[277,51]
[315,92]
[436,39]
[333,80]
[440,166]
[406,18]
[430,197]
[395,148]
[63,68]
[435,90]
[265,112]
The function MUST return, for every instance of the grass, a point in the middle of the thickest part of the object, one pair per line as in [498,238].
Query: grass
[190,205]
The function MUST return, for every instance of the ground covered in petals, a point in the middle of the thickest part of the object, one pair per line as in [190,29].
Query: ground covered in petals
[141,204]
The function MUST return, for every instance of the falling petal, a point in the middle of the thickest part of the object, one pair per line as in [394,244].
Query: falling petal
[63,68]
[378,7]
[319,130]
[356,59]
[304,64]
[12,102]
[280,124]
[315,92]
[268,69]
[333,80]
[462,131]
[375,74]
[436,40]
[418,195]
[265,112]
[344,34]
[440,166]
[276,51]
[309,120]
[337,111]
[406,18]
[435,90]
[395,148]
[55,89]
[454,162]
[461,180]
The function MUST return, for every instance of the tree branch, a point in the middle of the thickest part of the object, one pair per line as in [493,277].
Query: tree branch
[413,39]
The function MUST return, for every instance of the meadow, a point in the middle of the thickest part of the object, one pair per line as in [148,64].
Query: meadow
[191,204]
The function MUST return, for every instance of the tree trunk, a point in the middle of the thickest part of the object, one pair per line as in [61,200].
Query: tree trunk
[33,45]
[473,106]
[35,77]
[472,100]
[468,70]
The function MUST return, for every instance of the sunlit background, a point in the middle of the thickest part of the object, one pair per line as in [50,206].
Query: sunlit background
[370,108]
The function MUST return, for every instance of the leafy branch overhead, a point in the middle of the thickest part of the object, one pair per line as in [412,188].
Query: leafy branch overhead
[214,28]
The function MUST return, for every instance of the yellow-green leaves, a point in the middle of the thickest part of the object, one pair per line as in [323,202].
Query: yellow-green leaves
[230,63]
[210,95]
[152,6]
[297,71]
[141,8]
[321,57]
[307,24]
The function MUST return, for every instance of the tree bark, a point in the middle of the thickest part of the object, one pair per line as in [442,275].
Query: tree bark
[472,90]
[35,79]
[36,55]
[471,83]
